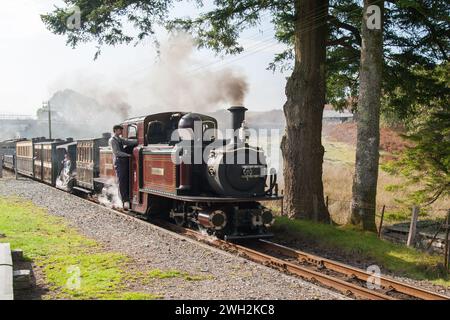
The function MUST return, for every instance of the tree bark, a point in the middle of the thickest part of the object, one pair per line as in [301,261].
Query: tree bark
[368,121]
[305,90]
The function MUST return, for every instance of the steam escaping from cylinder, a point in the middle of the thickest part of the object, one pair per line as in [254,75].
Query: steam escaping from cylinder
[109,196]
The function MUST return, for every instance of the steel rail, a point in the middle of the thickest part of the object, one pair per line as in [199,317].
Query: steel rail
[385,282]
[314,276]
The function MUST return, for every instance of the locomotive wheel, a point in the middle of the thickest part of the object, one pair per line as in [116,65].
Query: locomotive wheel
[180,221]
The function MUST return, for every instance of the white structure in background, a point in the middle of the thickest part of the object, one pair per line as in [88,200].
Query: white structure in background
[337,116]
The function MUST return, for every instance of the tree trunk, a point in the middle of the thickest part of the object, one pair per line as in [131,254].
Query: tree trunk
[368,118]
[305,90]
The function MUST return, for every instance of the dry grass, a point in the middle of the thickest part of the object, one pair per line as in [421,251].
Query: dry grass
[337,179]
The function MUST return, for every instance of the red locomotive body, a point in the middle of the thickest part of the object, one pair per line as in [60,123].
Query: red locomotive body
[159,171]
[212,194]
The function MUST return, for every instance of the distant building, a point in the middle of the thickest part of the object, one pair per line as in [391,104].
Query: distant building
[274,119]
[333,116]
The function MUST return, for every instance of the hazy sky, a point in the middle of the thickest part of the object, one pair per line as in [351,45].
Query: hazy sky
[35,63]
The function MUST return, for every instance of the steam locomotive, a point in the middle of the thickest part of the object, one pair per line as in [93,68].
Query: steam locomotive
[180,170]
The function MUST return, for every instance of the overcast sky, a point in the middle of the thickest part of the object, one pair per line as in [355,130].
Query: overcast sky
[35,63]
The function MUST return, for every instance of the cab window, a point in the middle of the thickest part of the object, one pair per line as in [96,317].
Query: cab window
[132,132]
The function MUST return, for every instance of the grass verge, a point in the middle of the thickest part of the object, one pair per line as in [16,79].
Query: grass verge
[394,257]
[74,267]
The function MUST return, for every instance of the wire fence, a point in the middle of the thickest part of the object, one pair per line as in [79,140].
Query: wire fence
[427,228]
[392,213]
[378,208]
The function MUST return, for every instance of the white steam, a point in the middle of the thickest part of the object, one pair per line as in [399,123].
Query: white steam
[110,195]
[87,105]
[173,84]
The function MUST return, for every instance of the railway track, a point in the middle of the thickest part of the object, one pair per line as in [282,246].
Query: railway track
[387,286]
[343,278]
[348,280]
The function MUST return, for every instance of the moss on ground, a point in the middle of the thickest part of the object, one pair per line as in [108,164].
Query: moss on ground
[160,274]
[397,258]
[74,266]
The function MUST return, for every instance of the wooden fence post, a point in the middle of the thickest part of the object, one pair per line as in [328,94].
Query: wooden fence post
[413,226]
[381,221]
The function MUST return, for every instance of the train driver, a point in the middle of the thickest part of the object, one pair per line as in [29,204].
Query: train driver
[121,160]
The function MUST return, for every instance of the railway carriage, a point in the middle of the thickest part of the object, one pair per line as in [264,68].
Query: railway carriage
[8,147]
[25,158]
[46,162]
[88,162]
[8,153]
[9,162]
[37,161]
[69,148]
[65,157]
[25,155]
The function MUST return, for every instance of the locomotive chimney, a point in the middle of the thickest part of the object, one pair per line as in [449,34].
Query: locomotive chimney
[237,116]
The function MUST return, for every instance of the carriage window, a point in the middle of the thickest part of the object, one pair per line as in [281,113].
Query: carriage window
[132,132]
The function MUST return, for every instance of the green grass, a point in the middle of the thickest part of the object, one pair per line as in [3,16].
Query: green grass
[63,254]
[102,275]
[394,257]
[159,274]
[338,152]
[37,233]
